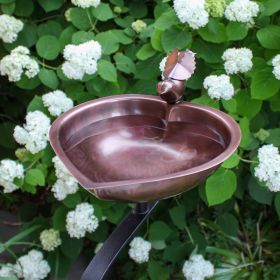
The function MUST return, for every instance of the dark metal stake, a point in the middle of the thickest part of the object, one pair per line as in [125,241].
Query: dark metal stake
[105,257]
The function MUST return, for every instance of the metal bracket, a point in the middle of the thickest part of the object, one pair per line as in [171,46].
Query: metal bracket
[105,257]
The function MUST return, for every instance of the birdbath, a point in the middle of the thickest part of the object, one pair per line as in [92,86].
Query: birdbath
[141,149]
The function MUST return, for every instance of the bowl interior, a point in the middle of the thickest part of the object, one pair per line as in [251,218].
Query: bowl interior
[135,138]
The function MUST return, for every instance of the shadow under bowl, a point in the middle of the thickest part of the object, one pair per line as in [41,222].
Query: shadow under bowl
[137,148]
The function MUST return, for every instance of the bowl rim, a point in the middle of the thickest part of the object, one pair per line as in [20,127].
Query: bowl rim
[229,122]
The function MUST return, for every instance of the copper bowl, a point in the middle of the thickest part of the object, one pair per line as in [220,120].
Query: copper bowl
[123,147]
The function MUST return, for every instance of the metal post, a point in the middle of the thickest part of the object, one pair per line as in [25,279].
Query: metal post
[105,257]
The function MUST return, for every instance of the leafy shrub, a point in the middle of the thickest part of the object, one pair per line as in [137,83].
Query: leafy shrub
[231,218]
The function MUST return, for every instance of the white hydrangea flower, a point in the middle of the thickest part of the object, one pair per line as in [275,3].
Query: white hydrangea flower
[66,184]
[17,63]
[50,239]
[81,220]
[35,133]
[57,102]
[86,3]
[219,87]
[139,250]
[162,66]
[276,66]
[197,268]
[237,60]
[192,12]
[32,266]
[268,169]
[9,28]
[138,26]
[9,171]
[7,270]
[242,11]
[81,59]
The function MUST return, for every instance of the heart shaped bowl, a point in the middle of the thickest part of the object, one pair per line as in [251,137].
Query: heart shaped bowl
[136,148]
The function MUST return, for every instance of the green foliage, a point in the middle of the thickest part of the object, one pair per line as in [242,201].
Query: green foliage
[232,218]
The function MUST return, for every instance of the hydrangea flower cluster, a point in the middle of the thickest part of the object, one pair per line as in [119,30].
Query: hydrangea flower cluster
[50,239]
[242,11]
[81,59]
[17,63]
[215,8]
[35,133]
[237,60]
[9,171]
[197,268]
[7,270]
[81,220]
[32,266]
[219,87]
[162,66]
[86,3]
[9,28]
[268,170]
[138,26]
[28,267]
[57,102]
[139,250]
[276,66]
[192,12]
[66,184]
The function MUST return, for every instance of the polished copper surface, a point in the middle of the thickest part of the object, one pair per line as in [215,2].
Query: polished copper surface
[179,67]
[138,148]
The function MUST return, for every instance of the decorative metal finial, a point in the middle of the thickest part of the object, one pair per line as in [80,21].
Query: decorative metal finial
[179,67]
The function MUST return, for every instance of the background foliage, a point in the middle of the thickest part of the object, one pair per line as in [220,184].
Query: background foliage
[231,218]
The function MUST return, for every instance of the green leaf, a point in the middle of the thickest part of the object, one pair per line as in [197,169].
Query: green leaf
[243,99]
[50,27]
[259,193]
[26,83]
[71,247]
[24,8]
[80,18]
[156,40]
[124,63]
[220,186]
[245,132]
[166,20]
[270,7]
[108,42]
[211,53]
[37,104]
[155,269]
[137,9]
[102,12]
[178,216]
[48,47]
[277,204]
[145,52]
[159,231]
[35,177]
[72,200]
[231,162]
[59,218]
[175,38]
[236,31]
[269,37]
[48,78]
[214,32]
[274,137]
[228,224]
[52,5]
[6,1]
[264,85]
[107,70]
